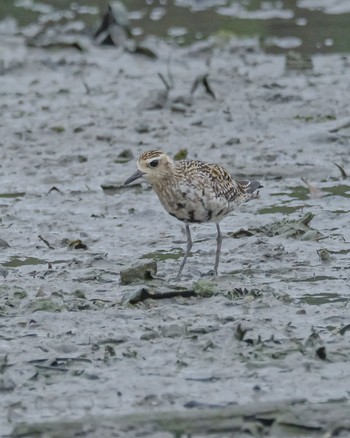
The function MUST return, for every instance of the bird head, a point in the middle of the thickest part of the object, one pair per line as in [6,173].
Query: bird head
[153,166]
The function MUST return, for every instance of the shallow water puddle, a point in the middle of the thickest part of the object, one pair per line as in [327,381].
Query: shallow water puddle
[323,298]
[306,27]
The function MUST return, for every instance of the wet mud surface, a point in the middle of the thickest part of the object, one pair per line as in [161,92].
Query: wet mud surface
[273,327]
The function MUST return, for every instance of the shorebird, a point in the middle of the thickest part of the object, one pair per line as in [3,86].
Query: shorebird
[193,192]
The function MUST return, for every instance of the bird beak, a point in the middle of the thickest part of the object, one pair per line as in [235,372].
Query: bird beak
[138,174]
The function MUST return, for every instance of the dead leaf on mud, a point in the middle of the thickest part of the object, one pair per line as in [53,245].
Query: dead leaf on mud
[114,28]
[203,80]
[313,340]
[240,332]
[314,191]
[173,96]
[342,171]
[295,228]
[76,244]
[298,61]
[344,329]
[139,49]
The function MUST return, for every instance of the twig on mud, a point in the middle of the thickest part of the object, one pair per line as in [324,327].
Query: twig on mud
[342,126]
[342,171]
[87,88]
[170,74]
[165,82]
[54,189]
[46,242]
[203,79]
[169,80]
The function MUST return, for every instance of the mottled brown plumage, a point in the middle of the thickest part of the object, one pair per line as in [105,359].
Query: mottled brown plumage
[193,191]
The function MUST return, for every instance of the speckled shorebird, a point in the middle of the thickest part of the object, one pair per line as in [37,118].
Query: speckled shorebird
[194,192]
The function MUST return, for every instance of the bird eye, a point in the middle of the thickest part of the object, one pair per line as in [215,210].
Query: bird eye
[154,163]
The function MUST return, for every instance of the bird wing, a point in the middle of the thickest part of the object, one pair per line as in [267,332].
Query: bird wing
[213,178]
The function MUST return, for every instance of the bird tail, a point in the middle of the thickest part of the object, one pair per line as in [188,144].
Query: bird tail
[251,189]
[252,186]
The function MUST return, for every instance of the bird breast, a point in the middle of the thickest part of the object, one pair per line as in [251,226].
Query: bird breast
[192,204]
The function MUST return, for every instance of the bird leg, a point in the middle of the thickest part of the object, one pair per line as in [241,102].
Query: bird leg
[188,249]
[218,250]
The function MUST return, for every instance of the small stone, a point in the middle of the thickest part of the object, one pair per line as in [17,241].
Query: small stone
[233,140]
[4,272]
[142,127]
[124,156]
[4,244]
[138,273]
[324,255]
[156,99]
[7,384]
[172,331]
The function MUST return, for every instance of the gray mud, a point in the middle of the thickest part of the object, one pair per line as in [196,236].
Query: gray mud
[271,329]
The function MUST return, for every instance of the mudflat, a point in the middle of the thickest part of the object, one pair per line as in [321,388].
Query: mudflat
[86,344]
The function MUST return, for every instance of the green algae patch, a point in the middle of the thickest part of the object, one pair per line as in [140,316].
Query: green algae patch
[323,298]
[44,305]
[181,155]
[342,190]
[274,209]
[58,129]
[16,262]
[162,255]
[299,192]
[205,288]
[12,195]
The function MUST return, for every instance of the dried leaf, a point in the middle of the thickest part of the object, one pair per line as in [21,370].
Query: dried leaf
[314,191]
[342,171]
[76,244]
